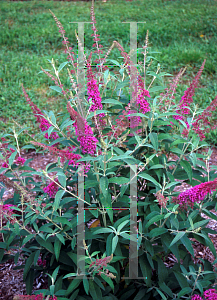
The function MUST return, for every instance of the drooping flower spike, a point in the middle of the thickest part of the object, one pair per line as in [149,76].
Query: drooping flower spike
[44,124]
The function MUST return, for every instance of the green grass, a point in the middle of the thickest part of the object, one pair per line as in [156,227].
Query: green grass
[183,31]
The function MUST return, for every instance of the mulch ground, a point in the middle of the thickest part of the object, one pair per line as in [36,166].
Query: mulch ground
[11,281]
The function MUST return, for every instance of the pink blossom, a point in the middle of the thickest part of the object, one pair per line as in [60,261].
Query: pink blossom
[195,194]
[210,294]
[196,297]
[5,165]
[83,131]
[20,161]
[141,99]
[51,189]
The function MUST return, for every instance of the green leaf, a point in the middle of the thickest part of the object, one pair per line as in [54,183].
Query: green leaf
[140,295]
[112,101]
[56,88]
[73,285]
[187,243]
[109,244]
[27,238]
[154,140]
[162,294]
[162,270]
[86,284]
[57,247]
[154,219]
[184,291]
[62,179]
[157,231]
[12,157]
[119,180]
[45,244]
[103,230]
[61,238]
[122,225]
[165,288]
[37,253]
[187,167]
[114,243]
[57,199]
[104,185]
[95,291]
[156,89]
[97,112]
[108,280]
[177,238]
[169,185]
[28,264]
[182,281]
[62,65]
[149,178]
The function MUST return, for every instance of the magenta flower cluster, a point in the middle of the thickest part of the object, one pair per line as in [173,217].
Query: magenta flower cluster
[141,99]
[210,294]
[195,194]
[51,189]
[83,131]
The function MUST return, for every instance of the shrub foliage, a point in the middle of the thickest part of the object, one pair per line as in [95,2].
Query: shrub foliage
[153,142]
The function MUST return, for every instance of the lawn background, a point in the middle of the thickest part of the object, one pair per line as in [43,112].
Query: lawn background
[183,31]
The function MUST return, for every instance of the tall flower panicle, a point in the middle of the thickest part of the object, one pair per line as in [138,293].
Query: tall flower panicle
[44,124]
[96,40]
[83,131]
[94,94]
[187,98]
[168,97]
[141,98]
[202,122]
[56,80]
[65,41]
[195,194]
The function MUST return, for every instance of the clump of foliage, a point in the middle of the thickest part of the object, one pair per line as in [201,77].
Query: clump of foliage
[105,147]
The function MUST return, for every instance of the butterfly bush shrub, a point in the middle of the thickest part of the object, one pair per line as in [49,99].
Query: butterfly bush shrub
[115,138]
